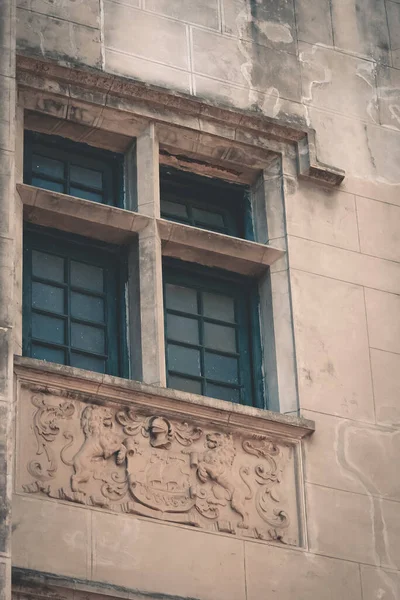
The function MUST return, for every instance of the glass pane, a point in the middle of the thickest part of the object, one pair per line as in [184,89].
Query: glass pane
[87,338]
[208,217]
[223,393]
[181,298]
[47,166]
[48,329]
[186,385]
[87,307]
[50,354]
[221,368]
[184,360]
[88,177]
[47,297]
[183,329]
[48,185]
[174,209]
[219,337]
[85,194]
[217,306]
[48,266]
[91,363]
[87,276]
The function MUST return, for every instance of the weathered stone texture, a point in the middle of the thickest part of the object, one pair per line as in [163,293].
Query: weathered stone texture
[202,567]
[386,381]
[50,37]
[51,537]
[132,31]
[332,66]
[285,575]
[332,353]
[379,583]
[269,24]
[314,21]
[361,28]
[82,12]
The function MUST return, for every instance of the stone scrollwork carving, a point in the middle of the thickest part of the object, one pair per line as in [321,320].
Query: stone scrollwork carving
[46,426]
[159,467]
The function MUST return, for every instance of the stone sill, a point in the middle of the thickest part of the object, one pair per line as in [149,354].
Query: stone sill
[119,226]
[215,249]
[124,392]
[78,216]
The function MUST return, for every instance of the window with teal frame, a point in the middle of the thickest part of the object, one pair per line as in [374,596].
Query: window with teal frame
[206,203]
[72,313]
[212,335]
[61,165]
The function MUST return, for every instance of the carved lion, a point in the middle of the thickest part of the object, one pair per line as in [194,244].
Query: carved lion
[101,442]
[215,464]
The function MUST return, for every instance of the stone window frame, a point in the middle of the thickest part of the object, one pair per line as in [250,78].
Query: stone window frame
[154,127]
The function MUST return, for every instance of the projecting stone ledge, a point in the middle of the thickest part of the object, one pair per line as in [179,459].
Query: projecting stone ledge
[124,447]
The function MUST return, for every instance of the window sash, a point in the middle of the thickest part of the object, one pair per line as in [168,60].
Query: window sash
[72,154]
[196,194]
[73,249]
[246,328]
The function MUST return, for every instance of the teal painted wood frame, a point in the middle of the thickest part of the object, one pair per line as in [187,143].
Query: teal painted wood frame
[110,258]
[110,164]
[245,291]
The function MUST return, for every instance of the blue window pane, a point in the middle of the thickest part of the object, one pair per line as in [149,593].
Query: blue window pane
[47,166]
[186,385]
[87,307]
[184,360]
[48,185]
[223,393]
[181,298]
[218,306]
[47,297]
[182,329]
[87,338]
[90,363]
[85,194]
[49,354]
[89,177]
[219,337]
[208,217]
[48,329]
[221,368]
[48,266]
[87,276]
[175,209]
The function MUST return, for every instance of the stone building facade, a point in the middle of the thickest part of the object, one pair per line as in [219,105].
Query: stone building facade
[218,181]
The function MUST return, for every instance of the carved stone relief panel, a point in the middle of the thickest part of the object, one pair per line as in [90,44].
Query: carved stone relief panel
[131,460]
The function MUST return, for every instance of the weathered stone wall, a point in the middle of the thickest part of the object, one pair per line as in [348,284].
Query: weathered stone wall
[7,193]
[333,66]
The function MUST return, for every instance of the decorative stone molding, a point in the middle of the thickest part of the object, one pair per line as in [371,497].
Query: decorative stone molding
[117,445]
[107,93]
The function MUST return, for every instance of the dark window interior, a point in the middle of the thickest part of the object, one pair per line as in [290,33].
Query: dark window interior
[71,302]
[60,165]
[209,333]
[205,203]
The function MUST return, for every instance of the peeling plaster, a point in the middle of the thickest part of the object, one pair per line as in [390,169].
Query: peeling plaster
[276,32]
[366,70]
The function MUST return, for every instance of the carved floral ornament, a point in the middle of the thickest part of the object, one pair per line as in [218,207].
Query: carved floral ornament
[156,467]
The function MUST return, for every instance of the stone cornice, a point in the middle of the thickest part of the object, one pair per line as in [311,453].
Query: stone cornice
[174,403]
[187,109]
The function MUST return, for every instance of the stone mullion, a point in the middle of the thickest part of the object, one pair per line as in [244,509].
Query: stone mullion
[7,251]
[150,261]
